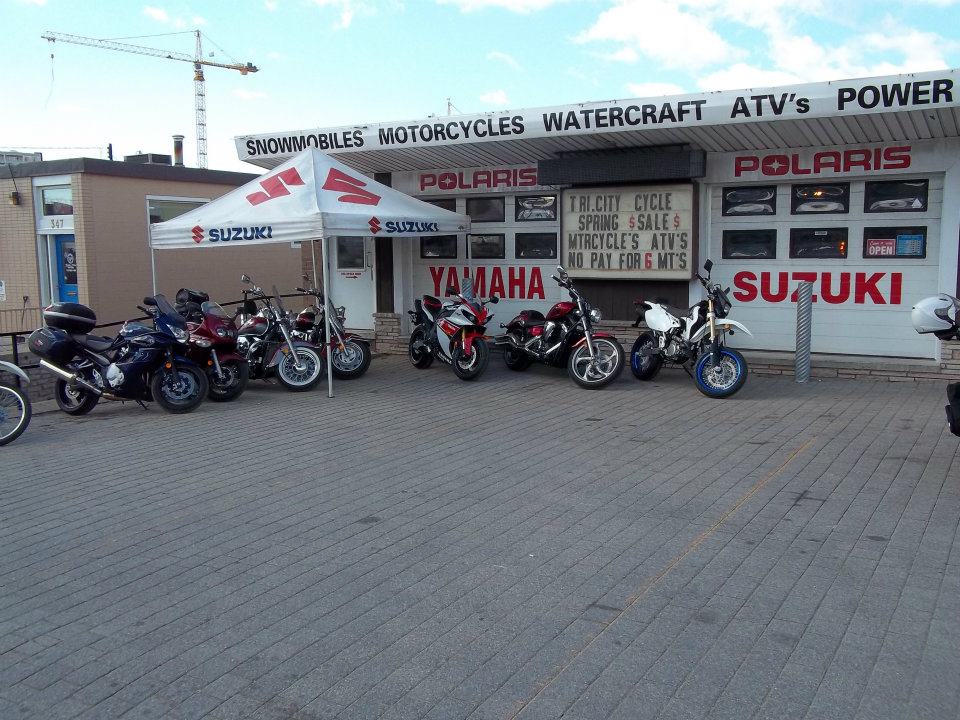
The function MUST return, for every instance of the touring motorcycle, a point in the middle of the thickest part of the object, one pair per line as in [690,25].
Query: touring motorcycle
[15,409]
[142,363]
[453,331]
[213,344]
[351,353]
[692,337]
[266,341]
[565,336]
[940,316]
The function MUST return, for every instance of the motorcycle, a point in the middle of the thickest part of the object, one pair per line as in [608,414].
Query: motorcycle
[213,344]
[452,331]
[15,408]
[940,315]
[694,336]
[351,353]
[267,343]
[142,363]
[565,336]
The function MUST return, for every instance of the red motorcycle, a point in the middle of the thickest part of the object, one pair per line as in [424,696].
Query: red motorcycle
[213,344]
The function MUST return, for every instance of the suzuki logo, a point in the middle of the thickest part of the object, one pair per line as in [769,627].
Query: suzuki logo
[276,186]
[352,187]
[197,234]
[374,225]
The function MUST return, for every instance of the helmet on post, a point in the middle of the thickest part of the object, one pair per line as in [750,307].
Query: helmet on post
[937,315]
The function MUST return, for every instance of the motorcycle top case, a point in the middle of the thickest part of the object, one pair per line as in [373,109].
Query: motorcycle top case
[72,317]
[186,295]
[52,344]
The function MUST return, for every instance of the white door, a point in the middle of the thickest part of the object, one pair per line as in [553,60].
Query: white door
[352,281]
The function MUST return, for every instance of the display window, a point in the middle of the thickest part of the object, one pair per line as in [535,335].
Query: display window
[487,247]
[486,209]
[896,196]
[744,201]
[750,244]
[535,245]
[895,242]
[530,208]
[818,243]
[349,253]
[826,198]
[439,246]
[444,203]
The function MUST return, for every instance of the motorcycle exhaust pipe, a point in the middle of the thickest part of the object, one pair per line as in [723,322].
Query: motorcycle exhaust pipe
[71,378]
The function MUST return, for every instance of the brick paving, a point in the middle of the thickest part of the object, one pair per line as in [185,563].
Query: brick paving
[419,547]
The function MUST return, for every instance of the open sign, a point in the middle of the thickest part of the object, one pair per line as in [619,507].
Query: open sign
[877,247]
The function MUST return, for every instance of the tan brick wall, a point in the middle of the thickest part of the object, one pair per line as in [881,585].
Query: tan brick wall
[18,257]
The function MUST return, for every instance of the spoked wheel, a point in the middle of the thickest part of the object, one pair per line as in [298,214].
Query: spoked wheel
[74,400]
[516,359]
[179,391]
[15,413]
[420,354]
[311,369]
[352,361]
[470,367]
[723,379]
[231,384]
[645,366]
[599,371]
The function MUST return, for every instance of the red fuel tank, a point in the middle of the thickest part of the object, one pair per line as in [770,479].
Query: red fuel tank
[561,309]
[254,326]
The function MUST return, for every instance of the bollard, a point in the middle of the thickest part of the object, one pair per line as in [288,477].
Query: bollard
[801,368]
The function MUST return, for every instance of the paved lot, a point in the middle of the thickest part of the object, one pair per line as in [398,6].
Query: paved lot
[420,547]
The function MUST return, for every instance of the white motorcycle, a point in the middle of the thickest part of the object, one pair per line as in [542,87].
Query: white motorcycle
[940,316]
[692,337]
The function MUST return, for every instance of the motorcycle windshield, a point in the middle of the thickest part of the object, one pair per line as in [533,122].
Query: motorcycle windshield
[212,308]
[279,301]
[468,294]
[171,316]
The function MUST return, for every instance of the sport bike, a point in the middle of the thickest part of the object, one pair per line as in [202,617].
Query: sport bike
[693,337]
[351,353]
[453,331]
[564,337]
[141,363]
[266,341]
[213,344]
[15,407]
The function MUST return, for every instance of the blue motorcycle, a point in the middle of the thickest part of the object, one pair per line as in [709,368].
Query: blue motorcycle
[141,363]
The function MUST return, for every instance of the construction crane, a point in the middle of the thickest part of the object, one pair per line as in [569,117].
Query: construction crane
[199,63]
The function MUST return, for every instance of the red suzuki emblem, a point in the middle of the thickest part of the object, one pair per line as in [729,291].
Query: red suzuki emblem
[374,224]
[276,186]
[352,188]
[197,234]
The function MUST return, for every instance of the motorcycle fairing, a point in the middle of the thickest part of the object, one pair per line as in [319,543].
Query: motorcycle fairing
[657,318]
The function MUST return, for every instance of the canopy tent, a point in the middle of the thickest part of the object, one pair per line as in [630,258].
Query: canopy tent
[309,197]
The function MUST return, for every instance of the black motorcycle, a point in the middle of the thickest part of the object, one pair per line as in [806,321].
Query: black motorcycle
[141,363]
[351,353]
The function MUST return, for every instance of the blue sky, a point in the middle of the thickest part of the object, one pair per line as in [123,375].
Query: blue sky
[333,62]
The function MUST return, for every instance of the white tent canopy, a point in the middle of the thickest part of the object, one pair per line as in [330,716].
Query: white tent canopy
[309,197]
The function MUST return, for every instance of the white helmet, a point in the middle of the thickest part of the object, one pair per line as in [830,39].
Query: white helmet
[936,315]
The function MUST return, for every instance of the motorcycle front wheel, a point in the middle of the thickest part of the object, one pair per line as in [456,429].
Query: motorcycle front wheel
[15,412]
[304,379]
[74,400]
[179,391]
[231,384]
[352,361]
[645,367]
[471,367]
[420,355]
[600,371]
[516,359]
[723,379]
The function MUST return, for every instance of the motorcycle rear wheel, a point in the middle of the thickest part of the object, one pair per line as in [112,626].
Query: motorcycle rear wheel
[15,412]
[236,375]
[516,360]
[645,367]
[421,357]
[471,367]
[352,361]
[300,381]
[720,381]
[181,392]
[595,375]
[74,401]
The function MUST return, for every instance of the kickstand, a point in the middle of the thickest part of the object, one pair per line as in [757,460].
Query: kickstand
[140,403]
[687,371]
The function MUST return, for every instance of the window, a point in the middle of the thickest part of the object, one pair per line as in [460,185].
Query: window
[536,245]
[749,244]
[487,247]
[895,242]
[742,201]
[486,209]
[809,243]
[57,200]
[440,246]
[809,199]
[895,196]
[350,253]
[535,207]
[163,210]
[444,203]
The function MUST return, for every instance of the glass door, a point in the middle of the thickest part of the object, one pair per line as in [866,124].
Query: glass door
[66,267]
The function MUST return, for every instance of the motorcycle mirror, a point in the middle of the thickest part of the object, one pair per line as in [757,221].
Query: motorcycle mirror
[246,279]
[494,299]
[708,265]
[149,301]
[451,290]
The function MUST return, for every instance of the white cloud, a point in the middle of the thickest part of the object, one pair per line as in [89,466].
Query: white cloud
[624,55]
[197,21]
[270,5]
[517,6]
[38,3]
[274,55]
[504,58]
[155,13]
[653,89]
[495,97]
[348,10]
[248,95]
[741,75]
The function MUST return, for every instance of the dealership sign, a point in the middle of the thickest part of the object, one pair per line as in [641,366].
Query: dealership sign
[639,232]
[917,91]
[459,181]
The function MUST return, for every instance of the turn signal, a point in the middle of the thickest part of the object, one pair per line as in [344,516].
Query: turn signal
[210,363]
[168,366]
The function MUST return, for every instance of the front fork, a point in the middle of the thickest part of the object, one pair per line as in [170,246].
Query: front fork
[298,366]
[714,340]
[216,364]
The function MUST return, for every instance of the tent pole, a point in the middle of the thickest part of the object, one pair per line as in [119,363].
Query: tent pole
[326,313]
[313,262]
[153,260]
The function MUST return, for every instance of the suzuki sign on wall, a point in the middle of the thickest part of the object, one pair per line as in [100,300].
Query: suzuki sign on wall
[638,232]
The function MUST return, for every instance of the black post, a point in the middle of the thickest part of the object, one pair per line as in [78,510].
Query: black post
[109,151]
[16,356]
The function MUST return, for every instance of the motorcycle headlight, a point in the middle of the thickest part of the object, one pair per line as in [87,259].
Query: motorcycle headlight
[222,332]
[202,342]
[180,334]
[595,315]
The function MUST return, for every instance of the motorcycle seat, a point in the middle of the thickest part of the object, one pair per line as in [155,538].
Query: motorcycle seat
[530,318]
[93,342]
[677,312]
[432,303]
